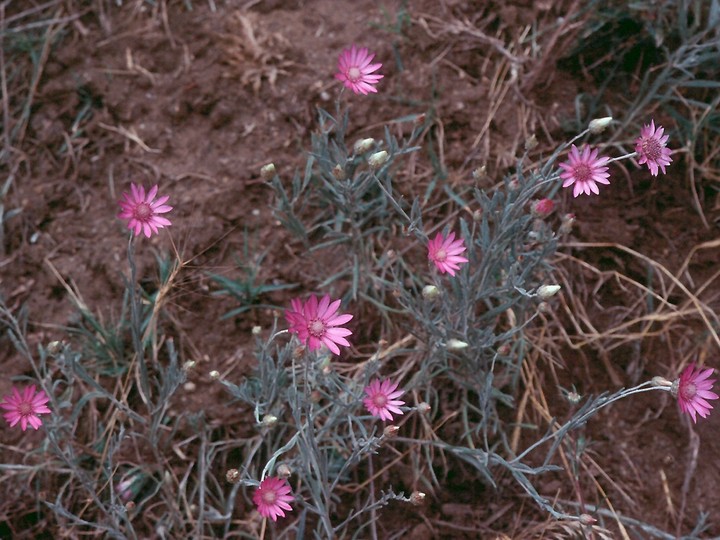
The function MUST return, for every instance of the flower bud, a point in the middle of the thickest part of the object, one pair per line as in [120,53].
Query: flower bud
[256,330]
[268,171]
[390,431]
[514,184]
[339,172]
[189,365]
[504,349]
[544,307]
[587,519]
[531,142]
[573,397]
[567,224]
[430,292]
[546,291]
[598,125]
[269,420]
[417,498]
[232,476]
[477,215]
[378,159]
[480,173]
[363,145]
[284,471]
[661,381]
[542,208]
[214,374]
[455,345]
[423,408]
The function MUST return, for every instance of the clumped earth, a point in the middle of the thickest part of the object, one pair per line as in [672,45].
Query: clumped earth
[197,100]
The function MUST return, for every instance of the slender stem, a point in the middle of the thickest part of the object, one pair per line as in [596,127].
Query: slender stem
[135,323]
[626,156]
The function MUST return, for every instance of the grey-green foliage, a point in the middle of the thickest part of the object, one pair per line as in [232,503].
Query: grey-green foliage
[339,205]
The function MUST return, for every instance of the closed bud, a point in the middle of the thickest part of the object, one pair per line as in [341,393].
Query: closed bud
[477,215]
[268,171]
[284,471]
[546,291]
[574,398]
[587,519]
[378,159]
[417,498]
[189,365]
[390,431]
[514,184]
[54,347]
[430,292]
[544,307]
[504,349]
[567,224]
[269,420]
[480,173]
[232,476]
[531,142]
[542,208]
[423,408]
[456,345]
[256,330]
[214,374]
[598,125]
[661,381]
[339,172]
[363,145]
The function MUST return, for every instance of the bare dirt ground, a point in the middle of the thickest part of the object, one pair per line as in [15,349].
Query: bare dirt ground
[198,100]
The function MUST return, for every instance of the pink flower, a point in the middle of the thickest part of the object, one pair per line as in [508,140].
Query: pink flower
[26,407]
[692,390]
[272,497]
[445,253]
[382,399]
[141,212]
[355,70]
[318,324]
[585,170]
[650,146]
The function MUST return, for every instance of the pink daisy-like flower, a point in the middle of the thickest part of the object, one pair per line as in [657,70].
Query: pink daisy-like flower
[693,389]
[26,407]
[318,324]
[142,212]
[445,253]
[356,72]
[382,399]
[650,146]
[272,497]
[586,170]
